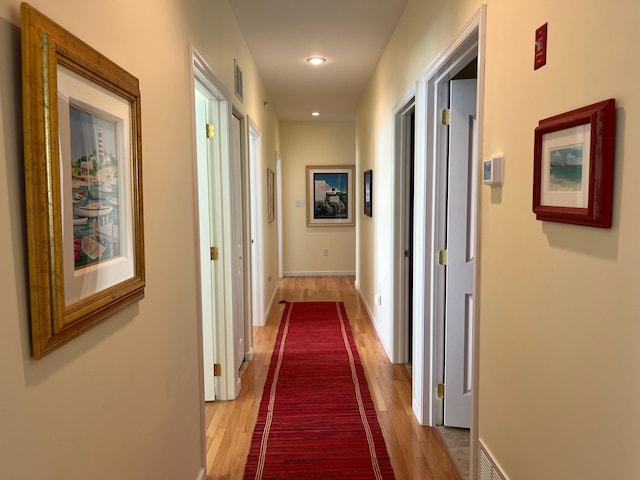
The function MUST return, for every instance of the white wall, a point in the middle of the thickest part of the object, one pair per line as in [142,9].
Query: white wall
[559,308]
[312,144]
[559,334]
[122,400]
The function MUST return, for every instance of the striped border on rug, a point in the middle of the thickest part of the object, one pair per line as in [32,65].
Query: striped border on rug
[331,433]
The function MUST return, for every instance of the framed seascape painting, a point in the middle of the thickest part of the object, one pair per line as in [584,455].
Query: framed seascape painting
[330,196]
[83,171]
[573,166]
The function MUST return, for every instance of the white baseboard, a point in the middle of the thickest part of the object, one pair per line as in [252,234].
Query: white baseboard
[319,274]
[269,307]
[364,302]
[202,475]
[489,468]
[366,306]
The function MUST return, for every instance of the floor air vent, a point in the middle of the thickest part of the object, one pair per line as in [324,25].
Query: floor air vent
[488,468]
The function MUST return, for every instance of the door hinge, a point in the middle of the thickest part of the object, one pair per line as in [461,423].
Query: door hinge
[211,130]
[217,370]
[446,116]
[443,257]
[441,390]
[214,253]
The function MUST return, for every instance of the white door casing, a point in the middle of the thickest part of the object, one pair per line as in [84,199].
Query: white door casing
[238,242]
[459,308]
[404,130]
[279,213]
[214,229]
[256,189]
[430,226]
[430,214]
[206,275]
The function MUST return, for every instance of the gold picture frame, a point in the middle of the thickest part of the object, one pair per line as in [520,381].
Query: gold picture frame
[83,174]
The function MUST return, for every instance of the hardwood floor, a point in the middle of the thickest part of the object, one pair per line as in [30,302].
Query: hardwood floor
[416,452]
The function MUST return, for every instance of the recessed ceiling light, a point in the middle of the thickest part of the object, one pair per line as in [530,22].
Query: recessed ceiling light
[316,60]
[315,114]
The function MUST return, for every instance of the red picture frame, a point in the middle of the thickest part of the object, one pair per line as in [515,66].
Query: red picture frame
[573,166]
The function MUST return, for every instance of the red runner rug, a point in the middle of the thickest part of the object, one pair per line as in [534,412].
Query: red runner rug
[316,417]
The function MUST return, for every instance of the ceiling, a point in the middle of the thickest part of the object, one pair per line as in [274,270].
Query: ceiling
[350,34]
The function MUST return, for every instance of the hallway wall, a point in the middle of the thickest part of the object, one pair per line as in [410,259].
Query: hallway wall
[559,307]
[313,144]
[122,401]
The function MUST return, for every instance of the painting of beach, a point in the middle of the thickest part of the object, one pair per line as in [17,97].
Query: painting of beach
[565,169]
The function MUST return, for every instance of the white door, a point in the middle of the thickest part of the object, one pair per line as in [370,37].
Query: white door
[256,213]
[214,184]
[279,213]
[460,250]
[238,241]
[205,107]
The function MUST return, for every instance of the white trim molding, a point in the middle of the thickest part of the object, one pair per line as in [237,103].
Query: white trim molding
[372,317]
[320,274]
[430,224]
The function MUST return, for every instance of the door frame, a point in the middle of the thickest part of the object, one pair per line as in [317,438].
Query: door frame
[278,195]
[246,227]
[206,107]
[401,114]
[242,344]
[229,382]
[430,221]
[256,233]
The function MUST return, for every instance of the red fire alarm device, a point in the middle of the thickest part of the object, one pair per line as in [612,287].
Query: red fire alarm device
[540,58]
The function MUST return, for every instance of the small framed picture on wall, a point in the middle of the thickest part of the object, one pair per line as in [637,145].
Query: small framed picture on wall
[368,193]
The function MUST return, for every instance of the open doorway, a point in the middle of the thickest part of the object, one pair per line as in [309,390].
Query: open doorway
[279,214]
[405,134]
[257,247]
[455,366]
[431,220]
[458,264]
[241,195]
[214,182]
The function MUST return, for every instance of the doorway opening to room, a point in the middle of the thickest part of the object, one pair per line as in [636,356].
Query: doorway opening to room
[256,195]
[459,237]
[222,342]
[405,128]
[455,360]
[444,367]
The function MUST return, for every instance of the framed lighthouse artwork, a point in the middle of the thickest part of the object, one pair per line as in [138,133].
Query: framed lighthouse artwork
[83,171]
